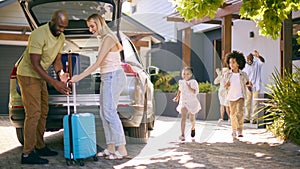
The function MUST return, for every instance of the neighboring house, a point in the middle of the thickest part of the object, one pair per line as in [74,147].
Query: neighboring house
[143,37]
[153,13]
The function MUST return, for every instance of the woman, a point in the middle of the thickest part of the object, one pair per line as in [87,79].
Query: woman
[112,83]
[224,104]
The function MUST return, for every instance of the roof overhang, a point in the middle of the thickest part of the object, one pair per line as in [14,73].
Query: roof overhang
[230,7]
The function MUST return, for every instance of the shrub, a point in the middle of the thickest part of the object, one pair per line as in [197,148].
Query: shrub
[206,87]
[284,106]
[165,82]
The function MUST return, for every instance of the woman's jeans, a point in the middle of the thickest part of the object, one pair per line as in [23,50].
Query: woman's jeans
[112,84]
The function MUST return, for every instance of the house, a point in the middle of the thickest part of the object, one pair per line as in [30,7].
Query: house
[204,44]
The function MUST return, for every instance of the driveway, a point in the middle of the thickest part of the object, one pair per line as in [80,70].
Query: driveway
[212,147]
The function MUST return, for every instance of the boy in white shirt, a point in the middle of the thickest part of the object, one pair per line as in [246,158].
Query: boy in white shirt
[235,82]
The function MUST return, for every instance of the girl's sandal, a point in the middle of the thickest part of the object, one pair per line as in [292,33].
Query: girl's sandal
[117,156]
[104,153]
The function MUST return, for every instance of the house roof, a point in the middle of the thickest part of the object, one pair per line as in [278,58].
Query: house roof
[132,27]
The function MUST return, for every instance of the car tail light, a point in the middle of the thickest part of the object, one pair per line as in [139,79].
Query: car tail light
[128,69]
[13,73]
[123,105]
[18,107]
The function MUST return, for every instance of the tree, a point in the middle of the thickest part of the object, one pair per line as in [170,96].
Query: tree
[197,9]
[267,14]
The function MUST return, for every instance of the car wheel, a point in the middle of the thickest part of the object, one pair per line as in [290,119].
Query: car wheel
[140,134]
[20,135]
[152,118]
[151,123]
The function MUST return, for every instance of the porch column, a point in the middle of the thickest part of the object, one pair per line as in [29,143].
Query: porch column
[186,50]
[286,45]
[226,37]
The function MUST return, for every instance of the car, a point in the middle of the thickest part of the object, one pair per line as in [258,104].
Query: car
[136,105]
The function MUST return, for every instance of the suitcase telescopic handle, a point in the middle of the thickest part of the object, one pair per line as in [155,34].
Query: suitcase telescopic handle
[74,99]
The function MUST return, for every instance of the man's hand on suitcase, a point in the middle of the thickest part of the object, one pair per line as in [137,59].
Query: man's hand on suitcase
[62,87]
[64,77]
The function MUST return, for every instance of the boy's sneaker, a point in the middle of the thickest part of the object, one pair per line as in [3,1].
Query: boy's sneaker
[193,133]
[181,138]
[240,134]
[45,152]
[33,158]
[220,121]
[233,134]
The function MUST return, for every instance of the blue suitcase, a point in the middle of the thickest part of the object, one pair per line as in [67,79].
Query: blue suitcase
[79,134]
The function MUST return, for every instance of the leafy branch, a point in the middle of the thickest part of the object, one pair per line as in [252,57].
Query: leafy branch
[267,14]
[197,9]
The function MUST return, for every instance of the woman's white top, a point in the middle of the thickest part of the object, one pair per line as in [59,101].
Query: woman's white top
[111,62]
[188,99]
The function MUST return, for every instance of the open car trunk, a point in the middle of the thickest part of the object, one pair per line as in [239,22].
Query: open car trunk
[37,13]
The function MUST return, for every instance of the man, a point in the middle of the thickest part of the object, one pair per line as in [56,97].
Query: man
[44,48]
[253,70]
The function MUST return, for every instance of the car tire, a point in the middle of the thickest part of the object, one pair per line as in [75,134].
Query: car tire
[151,123]
[151,120]
[20,135]
[140,134]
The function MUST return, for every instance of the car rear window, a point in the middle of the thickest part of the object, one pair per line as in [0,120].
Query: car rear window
[77,11]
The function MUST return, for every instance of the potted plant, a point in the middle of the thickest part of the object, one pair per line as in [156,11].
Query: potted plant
[209,101]
[165,87]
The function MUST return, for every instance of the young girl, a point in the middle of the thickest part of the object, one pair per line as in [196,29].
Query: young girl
[224,105]
[188,102]
[235,83]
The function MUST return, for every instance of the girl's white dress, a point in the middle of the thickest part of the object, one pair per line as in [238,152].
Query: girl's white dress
[187,98]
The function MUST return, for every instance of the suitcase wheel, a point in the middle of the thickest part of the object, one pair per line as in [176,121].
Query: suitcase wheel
[81,163]
[68,162]
[95,158]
